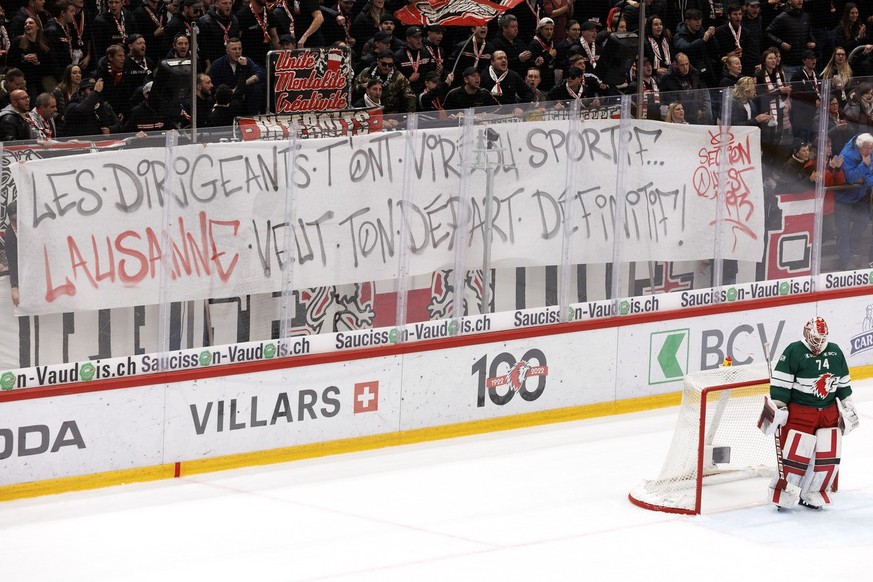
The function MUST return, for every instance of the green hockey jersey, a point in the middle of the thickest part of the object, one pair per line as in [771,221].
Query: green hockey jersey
[810,380]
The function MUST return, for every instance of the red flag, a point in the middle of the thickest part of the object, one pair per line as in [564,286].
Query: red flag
[453,12]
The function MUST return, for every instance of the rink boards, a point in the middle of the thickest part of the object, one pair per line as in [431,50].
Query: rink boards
[100,433]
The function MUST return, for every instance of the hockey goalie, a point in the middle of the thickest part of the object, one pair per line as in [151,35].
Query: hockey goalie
[809,411]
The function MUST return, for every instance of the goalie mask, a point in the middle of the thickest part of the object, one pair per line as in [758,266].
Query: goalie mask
[815,334]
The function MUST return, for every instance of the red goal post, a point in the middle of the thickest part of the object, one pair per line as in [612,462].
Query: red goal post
[716,439]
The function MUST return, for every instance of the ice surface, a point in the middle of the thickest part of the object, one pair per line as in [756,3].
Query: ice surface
[545,503]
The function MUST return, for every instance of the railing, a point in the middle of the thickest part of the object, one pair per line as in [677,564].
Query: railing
[419,226]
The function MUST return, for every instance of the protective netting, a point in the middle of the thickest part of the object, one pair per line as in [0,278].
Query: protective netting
[724,441]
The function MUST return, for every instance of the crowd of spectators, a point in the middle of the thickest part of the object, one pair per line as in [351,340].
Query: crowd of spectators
[88,66]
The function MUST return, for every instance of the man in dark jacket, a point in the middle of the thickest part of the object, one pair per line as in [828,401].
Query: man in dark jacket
[684,82]
[791,32]
[243,75]
[88,114]
[699,45]
[13,123]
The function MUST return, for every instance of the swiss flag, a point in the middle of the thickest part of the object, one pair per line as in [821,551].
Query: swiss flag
[366,396]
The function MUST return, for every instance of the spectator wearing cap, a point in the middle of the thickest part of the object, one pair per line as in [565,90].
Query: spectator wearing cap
[150,17]
[372,97]
[434,94]
[591,50]
[543,52]
[433,45]
[217,26]
[181,22]
[366,23]
[113,26]
[791,31]
[88,114]
[42,117]
[243,75]
[287,42]
[389,24]
[474,52]
[470,94]
[805,97]
[397,95]
[143,117]
[413,60]
[137,64]
[381,41]
[506,85]
[507,41]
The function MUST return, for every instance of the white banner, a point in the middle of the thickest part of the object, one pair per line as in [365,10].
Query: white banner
[92,231]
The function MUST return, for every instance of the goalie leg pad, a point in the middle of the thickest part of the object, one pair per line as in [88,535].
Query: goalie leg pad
[816,488]
[798,451]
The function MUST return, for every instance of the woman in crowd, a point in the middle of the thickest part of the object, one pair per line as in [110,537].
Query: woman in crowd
[772,101]
[859,109]
[65,90]
[839,130]
[839,71]
[851,32]
[744,110]
[675,113]
[657,47]
[731,69]
[367,22]
[30,53]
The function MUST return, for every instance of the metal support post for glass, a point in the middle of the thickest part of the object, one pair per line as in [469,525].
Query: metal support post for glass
[567,263]
[289,246]
[165,296]
[195,31]
[459,273]
[620,196]
[820,189]
[721,191]
[403,256]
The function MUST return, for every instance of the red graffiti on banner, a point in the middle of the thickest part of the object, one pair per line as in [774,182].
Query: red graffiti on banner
[133,256]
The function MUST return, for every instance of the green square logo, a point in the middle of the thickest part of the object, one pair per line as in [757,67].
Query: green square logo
[669,352]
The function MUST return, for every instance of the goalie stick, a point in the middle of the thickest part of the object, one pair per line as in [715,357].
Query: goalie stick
[782,483]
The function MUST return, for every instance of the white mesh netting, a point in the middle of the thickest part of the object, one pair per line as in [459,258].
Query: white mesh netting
[732,446]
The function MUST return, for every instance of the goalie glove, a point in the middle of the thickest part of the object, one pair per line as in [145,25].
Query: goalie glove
[848,417]
[774,415]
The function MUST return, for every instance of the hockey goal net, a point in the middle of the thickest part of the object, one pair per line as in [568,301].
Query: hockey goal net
[716,439]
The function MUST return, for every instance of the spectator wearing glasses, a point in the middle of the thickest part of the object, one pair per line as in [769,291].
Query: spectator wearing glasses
[14,125]
[397,95]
